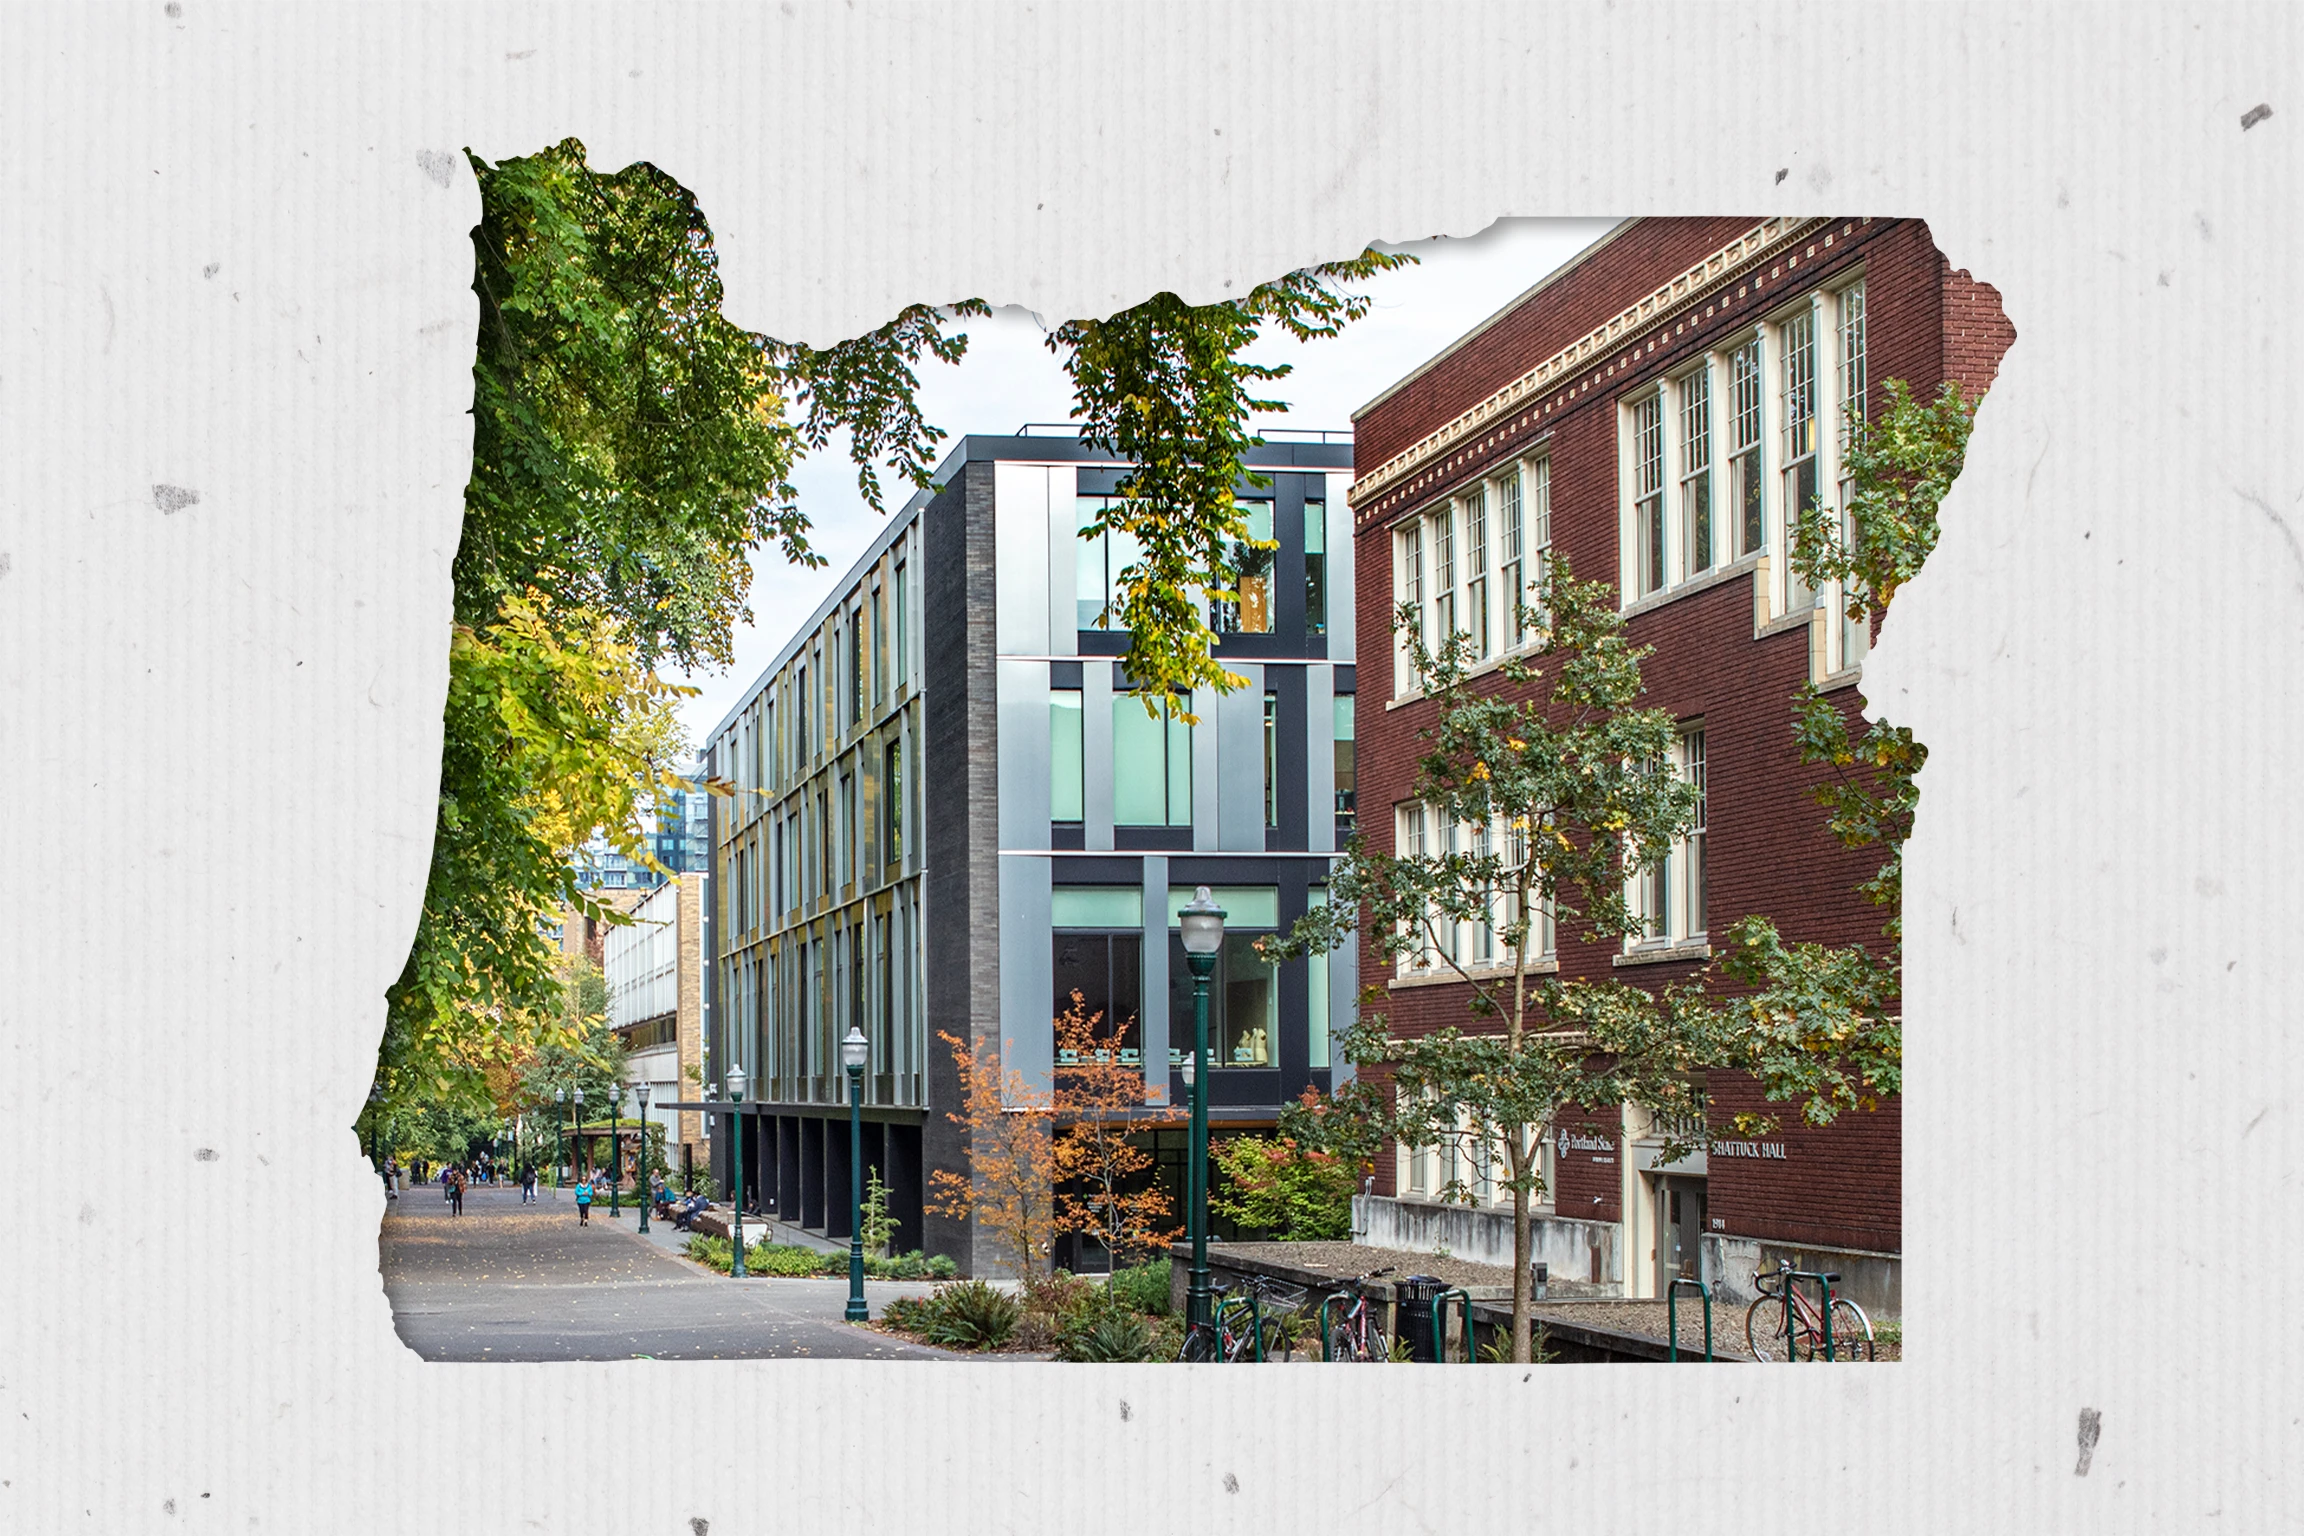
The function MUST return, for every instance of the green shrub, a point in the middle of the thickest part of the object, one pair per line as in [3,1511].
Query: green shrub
[910,1313]
[712,1252]
[1272,1185]
[941,1267]
[972,1315]
[910,1266]
[766,1258]
[1143,1288]
[1106,1335]
[1051,1305]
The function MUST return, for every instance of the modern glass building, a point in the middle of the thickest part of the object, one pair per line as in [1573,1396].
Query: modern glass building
[950,815]
[679,832]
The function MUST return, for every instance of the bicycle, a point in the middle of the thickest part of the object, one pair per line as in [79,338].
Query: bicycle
[1236,1317]
[1216,1341]
[1262,1307]
[1766,1326]
[1354,1337]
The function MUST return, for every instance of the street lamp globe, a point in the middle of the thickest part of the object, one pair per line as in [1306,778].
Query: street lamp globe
[1190,1069]
[1203,924]
[853,1051]
[736,1083]
[641,1093]
[579,1095]
[559,1095]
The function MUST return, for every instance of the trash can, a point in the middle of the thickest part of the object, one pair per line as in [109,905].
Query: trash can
[1413,1297]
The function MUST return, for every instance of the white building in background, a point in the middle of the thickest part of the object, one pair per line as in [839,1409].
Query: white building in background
[654,971]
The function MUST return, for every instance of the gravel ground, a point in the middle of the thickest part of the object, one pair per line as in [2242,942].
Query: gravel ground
[1345,1260]
[1649,1319]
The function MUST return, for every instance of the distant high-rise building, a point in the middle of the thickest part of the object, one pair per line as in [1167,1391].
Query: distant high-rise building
[676,828]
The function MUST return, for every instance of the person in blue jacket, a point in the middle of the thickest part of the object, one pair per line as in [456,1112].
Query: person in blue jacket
[584,1203]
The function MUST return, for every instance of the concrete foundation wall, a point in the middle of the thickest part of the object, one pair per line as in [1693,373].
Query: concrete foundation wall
[1566,1246]
[1874,1281]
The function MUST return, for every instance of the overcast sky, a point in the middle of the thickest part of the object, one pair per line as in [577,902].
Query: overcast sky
[1009,378]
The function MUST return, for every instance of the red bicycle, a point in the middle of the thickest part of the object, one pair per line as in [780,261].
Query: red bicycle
[1355,1335]
[1774,1330]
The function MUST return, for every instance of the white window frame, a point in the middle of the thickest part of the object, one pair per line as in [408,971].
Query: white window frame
[1670,897]
[1798,441]
[1408,592]
[1747,431]
[1542,930]
[1695,477]
[1411,833]
[1847,639]
[1443,598]
[1476,584]
[1646,538]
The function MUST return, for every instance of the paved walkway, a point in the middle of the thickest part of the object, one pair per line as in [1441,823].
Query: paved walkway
[507,1281]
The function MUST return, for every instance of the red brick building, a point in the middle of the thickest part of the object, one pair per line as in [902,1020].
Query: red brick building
[1648,412]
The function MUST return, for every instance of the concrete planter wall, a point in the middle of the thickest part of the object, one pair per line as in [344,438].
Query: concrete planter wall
[1566,1246]
[1874,1281]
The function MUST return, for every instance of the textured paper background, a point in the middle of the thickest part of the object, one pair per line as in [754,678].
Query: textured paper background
[234,261]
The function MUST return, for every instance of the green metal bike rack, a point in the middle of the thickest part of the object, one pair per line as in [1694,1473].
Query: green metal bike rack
[1254,1305]
[1325,1303]
[1824,1284]
[1672,1314]
[1463,1300]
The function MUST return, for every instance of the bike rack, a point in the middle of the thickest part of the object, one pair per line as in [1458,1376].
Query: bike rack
[1326,1302]
[1463,1300]
[1672,1314]
[1824,1284]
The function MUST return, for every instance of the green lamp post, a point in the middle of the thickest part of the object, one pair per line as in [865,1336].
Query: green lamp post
[1202,922]
[559,1138]
[736,1166]
[576,1126]
[640,1191]
[853,1051]
[615,1150]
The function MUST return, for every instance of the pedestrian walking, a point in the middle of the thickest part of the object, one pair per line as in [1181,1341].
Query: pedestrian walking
[456,1195]
[528,1183]
[584,1203]
[392,1178]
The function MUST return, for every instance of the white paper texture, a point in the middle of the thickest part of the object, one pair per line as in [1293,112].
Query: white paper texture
[235,350]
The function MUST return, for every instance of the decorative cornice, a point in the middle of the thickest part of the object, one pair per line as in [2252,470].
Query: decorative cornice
[1689,287]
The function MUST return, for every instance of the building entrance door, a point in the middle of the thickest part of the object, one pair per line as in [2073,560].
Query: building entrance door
[1680,1211]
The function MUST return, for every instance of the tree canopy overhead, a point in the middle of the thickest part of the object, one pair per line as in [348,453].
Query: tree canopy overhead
[631,448]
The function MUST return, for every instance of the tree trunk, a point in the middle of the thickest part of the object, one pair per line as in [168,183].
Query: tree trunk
[1523,1351]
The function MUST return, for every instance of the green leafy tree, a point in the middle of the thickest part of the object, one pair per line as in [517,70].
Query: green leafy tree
[1557,778]
[1272,1184]
[1164,386]
[631,446]
[1346,1124]
[1823,1020]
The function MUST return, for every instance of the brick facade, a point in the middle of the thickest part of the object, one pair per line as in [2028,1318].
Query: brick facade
[1768,851]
